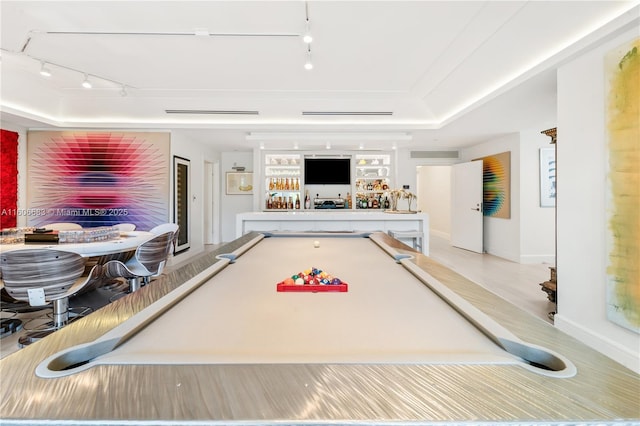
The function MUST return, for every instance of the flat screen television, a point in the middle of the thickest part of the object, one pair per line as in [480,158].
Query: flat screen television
[327,171]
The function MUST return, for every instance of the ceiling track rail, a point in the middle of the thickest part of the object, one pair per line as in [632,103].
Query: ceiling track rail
[210,112]
[199,33]
[347,113]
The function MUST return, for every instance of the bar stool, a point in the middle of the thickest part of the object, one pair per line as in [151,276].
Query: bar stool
[46,278]
[416,238]
[148,262]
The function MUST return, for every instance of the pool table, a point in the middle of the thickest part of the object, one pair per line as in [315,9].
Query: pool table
[215,342]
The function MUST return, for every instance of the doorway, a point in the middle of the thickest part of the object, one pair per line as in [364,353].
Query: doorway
[211,210]
[434,197]
[435,192]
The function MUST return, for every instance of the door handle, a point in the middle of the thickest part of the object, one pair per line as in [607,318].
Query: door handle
[478,207]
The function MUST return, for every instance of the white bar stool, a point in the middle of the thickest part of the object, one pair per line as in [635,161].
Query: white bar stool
[416,238]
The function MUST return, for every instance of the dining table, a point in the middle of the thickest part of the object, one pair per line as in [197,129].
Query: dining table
[125,242]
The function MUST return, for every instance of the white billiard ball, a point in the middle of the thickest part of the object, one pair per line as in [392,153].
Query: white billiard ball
[316,243]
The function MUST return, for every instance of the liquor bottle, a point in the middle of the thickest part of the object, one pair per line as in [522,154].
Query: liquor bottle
[271,185]
[290,204]
[307,200]
[347,200]
[297,202]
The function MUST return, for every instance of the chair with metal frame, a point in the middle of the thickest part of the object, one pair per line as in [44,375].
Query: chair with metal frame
[44,277]
[125,227]
[165,227]
[147,263]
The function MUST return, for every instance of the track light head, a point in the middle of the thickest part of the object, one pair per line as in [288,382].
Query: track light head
[44,71]
[307,37]
[86,83]
[308,65]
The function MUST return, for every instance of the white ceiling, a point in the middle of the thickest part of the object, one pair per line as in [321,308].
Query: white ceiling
[451,73]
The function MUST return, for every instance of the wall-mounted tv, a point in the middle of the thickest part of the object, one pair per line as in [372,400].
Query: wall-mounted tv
[327,171]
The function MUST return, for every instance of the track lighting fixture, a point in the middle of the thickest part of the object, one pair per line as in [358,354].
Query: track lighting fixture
[44,71]
[308,65]
[86,83]
[307,37]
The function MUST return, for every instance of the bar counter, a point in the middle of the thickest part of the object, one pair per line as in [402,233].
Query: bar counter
[335,220]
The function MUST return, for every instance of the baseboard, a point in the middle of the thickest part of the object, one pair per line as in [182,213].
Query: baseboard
[537,259]
[600,343]
[508,256]
[440,234]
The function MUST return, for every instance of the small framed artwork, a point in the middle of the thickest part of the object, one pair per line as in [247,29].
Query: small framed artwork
[239,183]
[547,177]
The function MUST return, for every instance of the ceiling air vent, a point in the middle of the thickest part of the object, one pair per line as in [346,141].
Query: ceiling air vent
[434,154]
[210,112]
[347,113]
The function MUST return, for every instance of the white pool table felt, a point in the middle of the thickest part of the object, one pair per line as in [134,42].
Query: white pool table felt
[387,316]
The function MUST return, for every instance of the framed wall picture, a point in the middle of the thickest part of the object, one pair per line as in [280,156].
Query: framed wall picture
[181,191]
[239,183]
[496,185]
[547,177]
[125,173]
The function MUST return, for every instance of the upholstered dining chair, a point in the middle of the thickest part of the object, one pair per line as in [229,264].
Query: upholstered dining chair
[44,277]
[148,262]
[63,226]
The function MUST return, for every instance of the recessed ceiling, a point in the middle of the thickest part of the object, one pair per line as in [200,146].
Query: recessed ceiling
[450,73]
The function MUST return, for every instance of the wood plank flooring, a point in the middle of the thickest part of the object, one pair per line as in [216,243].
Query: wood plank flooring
[515,282]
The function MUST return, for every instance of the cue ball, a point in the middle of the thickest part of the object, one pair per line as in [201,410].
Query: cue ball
[316,243]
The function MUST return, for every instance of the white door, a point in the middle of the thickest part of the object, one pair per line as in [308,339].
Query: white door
[466,206]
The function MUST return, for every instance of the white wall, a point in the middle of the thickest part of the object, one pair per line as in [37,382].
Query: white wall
[502,236]
[233,204]
[529,235]
[537,224]
[434,198]
[197,154]
[581,180]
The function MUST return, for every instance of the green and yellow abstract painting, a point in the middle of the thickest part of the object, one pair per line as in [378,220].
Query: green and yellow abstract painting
[622,75]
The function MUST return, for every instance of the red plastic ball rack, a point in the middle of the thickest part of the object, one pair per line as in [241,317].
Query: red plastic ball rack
[312,288]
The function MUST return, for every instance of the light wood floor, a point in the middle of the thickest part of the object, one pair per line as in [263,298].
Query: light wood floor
[514,282]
